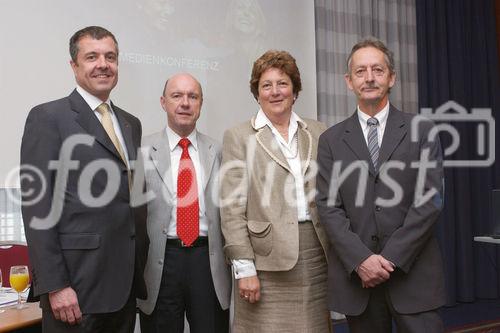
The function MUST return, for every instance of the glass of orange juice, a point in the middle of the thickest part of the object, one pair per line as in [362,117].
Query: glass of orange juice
[1,310]
[19,279]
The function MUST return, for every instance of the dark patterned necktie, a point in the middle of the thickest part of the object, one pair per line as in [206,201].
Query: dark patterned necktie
[373,147]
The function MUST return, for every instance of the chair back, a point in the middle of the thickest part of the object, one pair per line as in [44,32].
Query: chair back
[12,255]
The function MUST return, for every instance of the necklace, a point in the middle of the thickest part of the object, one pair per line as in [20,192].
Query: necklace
[289,154]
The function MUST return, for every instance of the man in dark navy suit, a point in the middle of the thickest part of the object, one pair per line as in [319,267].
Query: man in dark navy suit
[86,242]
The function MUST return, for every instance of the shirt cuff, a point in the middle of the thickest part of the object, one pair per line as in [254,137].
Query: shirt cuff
[243,268]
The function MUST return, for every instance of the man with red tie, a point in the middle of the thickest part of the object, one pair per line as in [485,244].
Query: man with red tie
[186,274]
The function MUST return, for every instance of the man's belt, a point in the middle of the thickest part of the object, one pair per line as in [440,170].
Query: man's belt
[199,242]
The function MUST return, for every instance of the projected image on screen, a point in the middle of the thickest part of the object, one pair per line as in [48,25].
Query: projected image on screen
[158,11]
[248,21]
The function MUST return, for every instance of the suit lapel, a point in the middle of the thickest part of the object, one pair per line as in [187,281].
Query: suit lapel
[395,131]
[206,157]
[305,146]
[267,141]
[355,140]
[89,122]
[160,155]
[126,132]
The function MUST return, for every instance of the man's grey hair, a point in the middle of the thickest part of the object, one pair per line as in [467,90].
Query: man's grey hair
[377,44]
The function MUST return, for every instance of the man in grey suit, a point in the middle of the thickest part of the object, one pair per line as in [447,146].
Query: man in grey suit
[379,195]
[186,273]
[84,238]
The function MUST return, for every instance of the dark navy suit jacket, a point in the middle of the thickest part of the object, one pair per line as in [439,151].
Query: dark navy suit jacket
[98,250]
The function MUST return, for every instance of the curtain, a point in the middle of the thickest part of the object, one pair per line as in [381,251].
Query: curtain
[342,23]
[458,61]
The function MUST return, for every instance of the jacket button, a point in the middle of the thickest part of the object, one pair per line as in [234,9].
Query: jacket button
[374,238]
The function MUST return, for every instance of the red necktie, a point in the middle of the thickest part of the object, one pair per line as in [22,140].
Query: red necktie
[187,197]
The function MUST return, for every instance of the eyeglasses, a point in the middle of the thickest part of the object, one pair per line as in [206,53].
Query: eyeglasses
[375,70]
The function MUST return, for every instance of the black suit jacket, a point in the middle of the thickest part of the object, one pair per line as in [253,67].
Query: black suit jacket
[402,233]
[91,248]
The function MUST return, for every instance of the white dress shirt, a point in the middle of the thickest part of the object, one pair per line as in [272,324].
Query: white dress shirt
[290,150]
[382,121]
[93,102]
[246,267]
[175,156]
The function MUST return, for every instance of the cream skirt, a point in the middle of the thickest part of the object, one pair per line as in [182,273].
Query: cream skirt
[291,301]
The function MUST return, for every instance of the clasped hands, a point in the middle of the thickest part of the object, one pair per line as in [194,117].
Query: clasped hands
[249,288]
[374,270]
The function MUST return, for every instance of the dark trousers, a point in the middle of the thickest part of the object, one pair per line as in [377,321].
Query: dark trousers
[379,314]
[122,321]
[186,289]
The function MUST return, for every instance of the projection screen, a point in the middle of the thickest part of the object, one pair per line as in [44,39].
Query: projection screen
[215,40]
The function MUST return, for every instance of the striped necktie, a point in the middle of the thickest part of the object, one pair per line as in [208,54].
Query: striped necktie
[373,147]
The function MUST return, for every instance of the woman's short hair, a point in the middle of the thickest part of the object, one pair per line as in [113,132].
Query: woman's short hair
[275,59]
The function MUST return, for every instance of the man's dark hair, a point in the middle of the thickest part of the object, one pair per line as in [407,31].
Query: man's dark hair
[94,32]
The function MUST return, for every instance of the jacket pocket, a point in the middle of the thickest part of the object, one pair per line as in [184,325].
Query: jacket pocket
[79,241]
[261,237]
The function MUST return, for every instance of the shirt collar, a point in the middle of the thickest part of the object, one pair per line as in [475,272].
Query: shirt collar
[173,139]
[381,116]
[261,120]
[91,100]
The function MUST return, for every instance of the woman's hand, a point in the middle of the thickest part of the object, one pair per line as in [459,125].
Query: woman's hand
[249,288]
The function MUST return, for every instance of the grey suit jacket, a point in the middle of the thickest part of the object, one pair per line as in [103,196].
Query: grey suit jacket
[156,153]
[91,249]
[402,233]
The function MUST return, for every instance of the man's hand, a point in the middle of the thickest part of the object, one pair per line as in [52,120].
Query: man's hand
[64,304]
[249,288]
[374,270]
